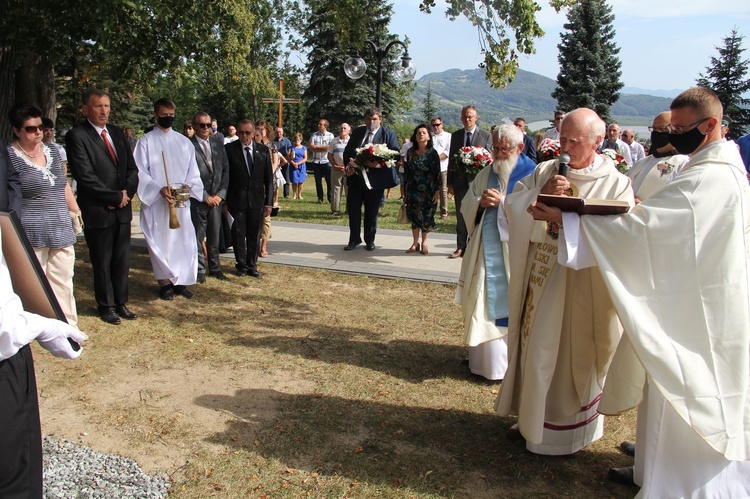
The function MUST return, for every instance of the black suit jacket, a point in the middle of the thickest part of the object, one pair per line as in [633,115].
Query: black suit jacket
[10,184]
[383,136]
[244,191]
[215,179]
[100,180]
[529,149]
[480,138]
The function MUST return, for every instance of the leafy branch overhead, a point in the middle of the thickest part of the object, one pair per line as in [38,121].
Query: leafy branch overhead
[505,29]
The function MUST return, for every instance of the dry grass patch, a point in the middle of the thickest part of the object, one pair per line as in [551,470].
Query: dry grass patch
[303,384]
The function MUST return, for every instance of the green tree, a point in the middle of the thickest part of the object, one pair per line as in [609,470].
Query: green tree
[330,94]
[589,67]
[429,110]
[727,76]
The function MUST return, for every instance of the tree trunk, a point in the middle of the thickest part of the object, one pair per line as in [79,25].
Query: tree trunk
[7,94]
[35,84]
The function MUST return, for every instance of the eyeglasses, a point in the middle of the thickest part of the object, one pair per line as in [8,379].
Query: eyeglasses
[33,128]
[436,124]
[204,125]
[661,129]
[677,130]
[244,132]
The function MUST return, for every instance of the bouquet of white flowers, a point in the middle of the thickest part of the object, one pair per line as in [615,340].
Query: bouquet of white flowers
[369,153]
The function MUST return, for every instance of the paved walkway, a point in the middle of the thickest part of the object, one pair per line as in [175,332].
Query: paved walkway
[322,247]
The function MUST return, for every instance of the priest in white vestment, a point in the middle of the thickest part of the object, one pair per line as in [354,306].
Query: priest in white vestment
[483,283]
[563,328]
[651,173]
[174,254]
[678,268]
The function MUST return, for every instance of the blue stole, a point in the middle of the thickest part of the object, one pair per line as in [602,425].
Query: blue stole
[496,280]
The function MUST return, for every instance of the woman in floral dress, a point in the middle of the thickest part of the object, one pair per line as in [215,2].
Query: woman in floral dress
[422,189]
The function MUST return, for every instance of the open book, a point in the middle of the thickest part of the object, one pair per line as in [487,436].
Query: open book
[589,206]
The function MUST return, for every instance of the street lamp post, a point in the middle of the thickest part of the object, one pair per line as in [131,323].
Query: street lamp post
[355,67]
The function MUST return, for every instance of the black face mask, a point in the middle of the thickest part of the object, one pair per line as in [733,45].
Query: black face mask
[659,139]
[165,121]
[688,142]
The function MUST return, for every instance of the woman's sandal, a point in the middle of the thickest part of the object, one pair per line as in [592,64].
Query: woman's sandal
[413,248]
[424,250]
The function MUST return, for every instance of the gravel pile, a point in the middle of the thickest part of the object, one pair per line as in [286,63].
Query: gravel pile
[72,470]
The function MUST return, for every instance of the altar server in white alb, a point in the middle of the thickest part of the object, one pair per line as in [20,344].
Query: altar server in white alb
[174,254]
[678,268]
[562,326]
[482,288]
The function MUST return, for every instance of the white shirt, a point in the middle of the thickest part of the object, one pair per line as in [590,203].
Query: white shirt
[228,140]
[441,143]
[321,139]
[109,137]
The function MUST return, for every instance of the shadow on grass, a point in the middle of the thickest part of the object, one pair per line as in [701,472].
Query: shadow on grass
[447,452]
[412,361]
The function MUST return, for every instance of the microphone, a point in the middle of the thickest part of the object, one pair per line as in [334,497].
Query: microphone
[563,165]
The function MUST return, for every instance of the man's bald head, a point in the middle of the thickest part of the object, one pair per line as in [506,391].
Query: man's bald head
[581,132]
[661,121]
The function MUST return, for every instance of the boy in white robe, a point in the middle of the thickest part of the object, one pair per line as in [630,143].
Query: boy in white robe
[678,268]
[174,254]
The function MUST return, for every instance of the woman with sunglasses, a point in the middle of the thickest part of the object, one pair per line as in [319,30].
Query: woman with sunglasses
[45,214]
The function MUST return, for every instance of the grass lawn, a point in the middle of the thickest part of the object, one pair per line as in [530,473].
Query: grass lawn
[303,384]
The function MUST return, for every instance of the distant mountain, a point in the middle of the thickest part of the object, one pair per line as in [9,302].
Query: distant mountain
[529,96]
[670,94]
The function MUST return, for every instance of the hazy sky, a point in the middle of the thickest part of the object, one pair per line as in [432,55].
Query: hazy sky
[664,44]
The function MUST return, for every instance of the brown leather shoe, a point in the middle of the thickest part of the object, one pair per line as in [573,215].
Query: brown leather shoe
[457,254]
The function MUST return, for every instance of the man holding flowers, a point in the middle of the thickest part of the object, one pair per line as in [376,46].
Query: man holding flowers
[360,188]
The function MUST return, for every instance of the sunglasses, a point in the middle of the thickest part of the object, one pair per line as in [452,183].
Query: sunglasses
[204,125]
[33,128]
[244,132]
[436,124]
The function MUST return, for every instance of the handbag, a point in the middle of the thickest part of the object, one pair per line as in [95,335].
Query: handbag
[385,177]
[403,218]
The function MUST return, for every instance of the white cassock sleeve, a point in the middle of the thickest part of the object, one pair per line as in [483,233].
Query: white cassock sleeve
[574,250]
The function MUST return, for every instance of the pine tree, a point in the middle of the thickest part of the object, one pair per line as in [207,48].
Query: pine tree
[429,110]
[727,76]
[589,67]
[330,94]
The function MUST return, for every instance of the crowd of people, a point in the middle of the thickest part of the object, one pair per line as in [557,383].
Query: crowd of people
[578,315]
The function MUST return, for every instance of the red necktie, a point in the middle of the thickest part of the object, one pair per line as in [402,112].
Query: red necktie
[109,147]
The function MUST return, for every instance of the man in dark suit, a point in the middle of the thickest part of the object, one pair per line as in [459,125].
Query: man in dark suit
[529,149]
[458,181]
[102,164]
[358,193]
[214,167]
[249,196]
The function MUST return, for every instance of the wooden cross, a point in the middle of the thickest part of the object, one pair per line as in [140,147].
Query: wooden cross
[281,101]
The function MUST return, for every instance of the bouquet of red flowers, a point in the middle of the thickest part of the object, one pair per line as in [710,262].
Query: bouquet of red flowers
[548,149]
[472,160]
[376,152]
[617,158]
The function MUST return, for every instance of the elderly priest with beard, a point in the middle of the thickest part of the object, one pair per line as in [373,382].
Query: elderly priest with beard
[483,284]
[563,328]
[677,267]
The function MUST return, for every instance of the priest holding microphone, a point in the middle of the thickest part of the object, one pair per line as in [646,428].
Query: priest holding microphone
[562,325]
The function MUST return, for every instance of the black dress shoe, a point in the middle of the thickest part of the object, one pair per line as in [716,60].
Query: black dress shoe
[351,246]
[621,475]
[166,292]
[370,246]
[110,317]
[242,273]
[219,275]
[184,291]
[254,273]
[628,448]
[123,312]
[513,433]
[201,278]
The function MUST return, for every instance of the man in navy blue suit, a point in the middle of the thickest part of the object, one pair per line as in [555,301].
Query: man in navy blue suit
[358,194]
